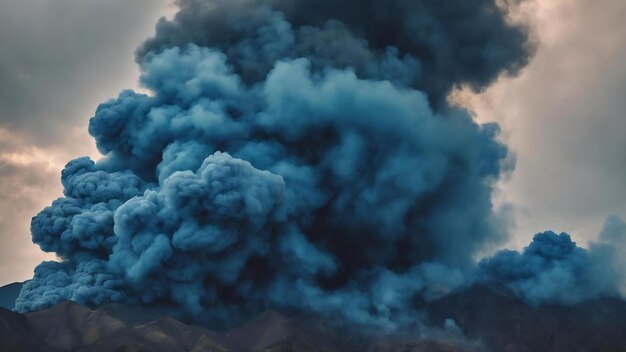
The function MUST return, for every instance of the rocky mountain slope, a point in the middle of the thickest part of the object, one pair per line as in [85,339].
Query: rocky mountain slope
[492,314]
[72,327]
[8,294]
[487,317]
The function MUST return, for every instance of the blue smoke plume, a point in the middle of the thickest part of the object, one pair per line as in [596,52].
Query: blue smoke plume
[289,154]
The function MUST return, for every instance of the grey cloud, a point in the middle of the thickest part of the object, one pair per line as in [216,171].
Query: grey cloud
[59,58]
[565,118]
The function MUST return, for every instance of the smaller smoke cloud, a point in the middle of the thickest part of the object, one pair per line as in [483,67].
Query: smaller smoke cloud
[554,270]
[80,280]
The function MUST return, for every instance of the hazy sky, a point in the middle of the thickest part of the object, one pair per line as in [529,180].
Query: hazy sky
[58,60]
[564,116]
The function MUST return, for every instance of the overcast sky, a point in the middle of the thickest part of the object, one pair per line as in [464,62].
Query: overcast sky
[564,116]
[58,60]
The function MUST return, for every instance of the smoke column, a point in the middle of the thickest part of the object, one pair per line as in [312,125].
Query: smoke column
[290,154]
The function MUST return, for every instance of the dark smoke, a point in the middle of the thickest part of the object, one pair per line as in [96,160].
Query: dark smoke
[287,156]
[430,45]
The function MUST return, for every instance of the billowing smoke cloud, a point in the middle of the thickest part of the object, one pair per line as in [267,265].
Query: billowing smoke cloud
[287,156]
[554,270]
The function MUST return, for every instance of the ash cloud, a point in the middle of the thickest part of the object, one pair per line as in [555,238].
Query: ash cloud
[282,161]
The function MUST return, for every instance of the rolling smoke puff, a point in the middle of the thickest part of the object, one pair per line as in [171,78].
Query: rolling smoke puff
[83,220]
[213,221]
[266,170]
[82,279]
[553,270]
